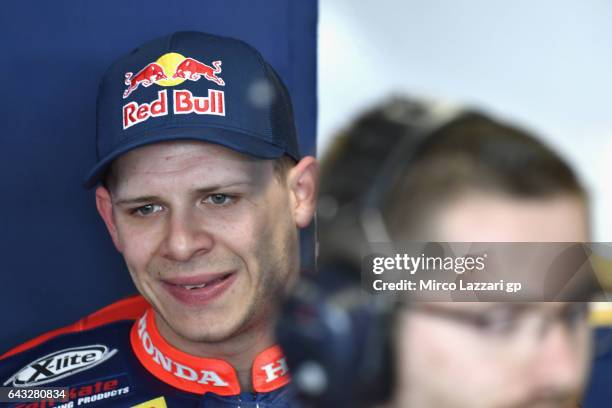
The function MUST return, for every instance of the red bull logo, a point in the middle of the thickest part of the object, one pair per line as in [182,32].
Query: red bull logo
[146,77]
[170,70]
[184,102]
[193,69]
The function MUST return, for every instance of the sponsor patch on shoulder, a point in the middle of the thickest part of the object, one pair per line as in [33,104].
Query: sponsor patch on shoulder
[103,391]
[60,364]
[154,403]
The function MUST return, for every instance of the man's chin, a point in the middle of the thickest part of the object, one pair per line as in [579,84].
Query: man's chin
[204,330]
[206,337]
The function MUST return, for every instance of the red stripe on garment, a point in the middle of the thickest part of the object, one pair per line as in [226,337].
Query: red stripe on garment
[130,308]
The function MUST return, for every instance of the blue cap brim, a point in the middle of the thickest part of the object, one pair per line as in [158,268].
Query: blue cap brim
[238,141]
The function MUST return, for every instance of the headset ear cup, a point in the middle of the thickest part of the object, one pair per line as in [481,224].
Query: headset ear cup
[377,368]
[334,335]
[317,337]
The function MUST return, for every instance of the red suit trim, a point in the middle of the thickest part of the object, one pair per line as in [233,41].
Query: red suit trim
[130,308]
[197,374]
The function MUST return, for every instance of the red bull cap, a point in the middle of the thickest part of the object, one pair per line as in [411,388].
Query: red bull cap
[197,86]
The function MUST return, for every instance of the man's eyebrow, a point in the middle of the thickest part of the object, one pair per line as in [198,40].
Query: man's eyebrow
[217,187]
[137,200]
[198,191]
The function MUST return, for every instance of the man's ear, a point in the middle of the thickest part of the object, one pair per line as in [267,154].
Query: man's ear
[105,209]
[303,182]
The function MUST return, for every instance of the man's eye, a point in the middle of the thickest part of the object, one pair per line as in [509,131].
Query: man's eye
[575,314]
[147,209]
[498,321]
[219,199]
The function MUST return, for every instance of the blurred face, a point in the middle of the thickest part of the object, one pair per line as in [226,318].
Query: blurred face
[209,236]
[497,355]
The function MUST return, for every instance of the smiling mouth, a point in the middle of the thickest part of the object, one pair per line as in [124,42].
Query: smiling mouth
[205,284]
[199,290]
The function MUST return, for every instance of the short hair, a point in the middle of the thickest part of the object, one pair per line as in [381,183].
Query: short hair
[471,151]
[282,165]
[478,152]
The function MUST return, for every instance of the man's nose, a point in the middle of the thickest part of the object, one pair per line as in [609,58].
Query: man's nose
[186,237]
[561,359]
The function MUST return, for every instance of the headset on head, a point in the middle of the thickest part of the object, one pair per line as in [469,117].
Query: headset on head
[337,339]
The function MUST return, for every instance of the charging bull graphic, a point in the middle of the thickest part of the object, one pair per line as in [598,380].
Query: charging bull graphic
[193,69]
[147,76]
[172,69]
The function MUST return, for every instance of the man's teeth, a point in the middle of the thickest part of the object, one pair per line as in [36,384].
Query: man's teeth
[194,286]
[204,284]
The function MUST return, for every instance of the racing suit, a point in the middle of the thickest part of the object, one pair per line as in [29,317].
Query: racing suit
[116,357]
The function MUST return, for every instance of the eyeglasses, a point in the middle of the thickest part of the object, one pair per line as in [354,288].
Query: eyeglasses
[508,320]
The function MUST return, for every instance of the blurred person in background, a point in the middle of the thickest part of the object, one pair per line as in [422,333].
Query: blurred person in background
[408,171]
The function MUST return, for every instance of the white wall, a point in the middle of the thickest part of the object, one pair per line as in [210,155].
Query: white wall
[546,64]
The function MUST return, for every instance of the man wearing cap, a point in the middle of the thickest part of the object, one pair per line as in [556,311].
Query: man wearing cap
[203,190]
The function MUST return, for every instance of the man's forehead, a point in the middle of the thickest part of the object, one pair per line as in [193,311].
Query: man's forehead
[496,217]
[184,166]
[177,156]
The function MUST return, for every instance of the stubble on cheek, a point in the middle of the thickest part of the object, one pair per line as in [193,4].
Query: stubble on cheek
[272,271]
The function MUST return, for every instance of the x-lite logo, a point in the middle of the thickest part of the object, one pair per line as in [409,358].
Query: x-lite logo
[60,364]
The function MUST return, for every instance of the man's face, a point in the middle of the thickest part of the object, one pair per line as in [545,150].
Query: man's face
[209,235]
[527,355]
